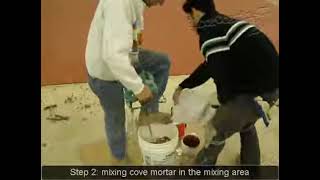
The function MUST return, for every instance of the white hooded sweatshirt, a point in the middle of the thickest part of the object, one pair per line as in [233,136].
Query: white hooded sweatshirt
[110,40]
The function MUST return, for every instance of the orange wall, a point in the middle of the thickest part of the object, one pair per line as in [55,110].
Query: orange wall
[65,24]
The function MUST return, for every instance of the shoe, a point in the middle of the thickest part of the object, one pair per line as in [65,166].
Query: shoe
[118,162]
[208,156]
[127,161]
[204,158]
[155,117]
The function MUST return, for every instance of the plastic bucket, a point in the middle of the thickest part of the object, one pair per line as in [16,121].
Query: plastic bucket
[189,144]
[161,153]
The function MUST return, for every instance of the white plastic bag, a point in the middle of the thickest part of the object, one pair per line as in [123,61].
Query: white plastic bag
[192,107]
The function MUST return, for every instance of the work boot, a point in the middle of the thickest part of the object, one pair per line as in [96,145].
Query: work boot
[113,161]
[154,117]
[208,156]
[128,160]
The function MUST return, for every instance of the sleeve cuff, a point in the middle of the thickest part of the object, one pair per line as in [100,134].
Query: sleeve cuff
[138,90]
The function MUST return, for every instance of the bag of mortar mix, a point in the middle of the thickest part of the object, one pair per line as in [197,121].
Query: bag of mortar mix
[192,107]
[196,107]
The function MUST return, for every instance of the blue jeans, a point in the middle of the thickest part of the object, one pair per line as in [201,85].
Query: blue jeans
[110,94]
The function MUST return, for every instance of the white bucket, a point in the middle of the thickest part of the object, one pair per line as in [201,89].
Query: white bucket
[158,154]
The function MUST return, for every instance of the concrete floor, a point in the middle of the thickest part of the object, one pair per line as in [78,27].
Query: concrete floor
[80,140]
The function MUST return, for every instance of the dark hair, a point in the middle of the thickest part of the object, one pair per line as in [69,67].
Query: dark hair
[206,6]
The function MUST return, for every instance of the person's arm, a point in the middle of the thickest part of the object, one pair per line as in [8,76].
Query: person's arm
[117,43]
[199,76]
[204,71]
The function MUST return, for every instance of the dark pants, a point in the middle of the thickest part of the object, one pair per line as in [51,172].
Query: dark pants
[110,94]
[236,116]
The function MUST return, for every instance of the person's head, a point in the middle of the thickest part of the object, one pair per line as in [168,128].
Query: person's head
[150,3]
[195,9]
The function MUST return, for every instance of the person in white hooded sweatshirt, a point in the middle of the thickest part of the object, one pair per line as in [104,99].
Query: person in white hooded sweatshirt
[109,54]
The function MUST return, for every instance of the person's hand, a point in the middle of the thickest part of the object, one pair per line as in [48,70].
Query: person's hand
[145,96]
[176,95]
